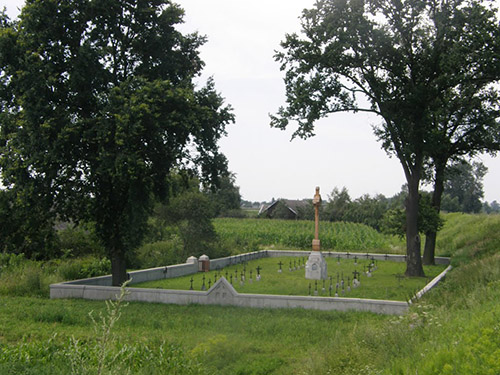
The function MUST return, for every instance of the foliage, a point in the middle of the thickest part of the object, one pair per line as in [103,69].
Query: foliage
[24,277]
[26,227]
[225,196]
[367,210]
[96,109]
[158,254]
[337,205]
[464,187]
[394,220]
[491,208]
[79,241]
[403,61]
[189,218]
[82,268]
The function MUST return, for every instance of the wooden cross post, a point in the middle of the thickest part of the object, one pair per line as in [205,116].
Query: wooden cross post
[316,246]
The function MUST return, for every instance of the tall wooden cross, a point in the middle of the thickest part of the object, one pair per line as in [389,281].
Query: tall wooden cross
[316,246]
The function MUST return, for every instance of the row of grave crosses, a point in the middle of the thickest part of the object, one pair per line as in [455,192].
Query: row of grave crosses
[293,265]
[341,285]
[241,276]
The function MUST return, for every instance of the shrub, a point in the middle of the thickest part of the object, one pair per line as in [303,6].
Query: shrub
[82,268]
[80,241]
[158,254]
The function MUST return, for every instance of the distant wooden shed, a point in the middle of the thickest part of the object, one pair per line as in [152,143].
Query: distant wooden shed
[284,209]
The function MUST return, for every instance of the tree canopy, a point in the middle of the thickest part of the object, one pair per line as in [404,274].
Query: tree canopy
[98,104]
[416,64]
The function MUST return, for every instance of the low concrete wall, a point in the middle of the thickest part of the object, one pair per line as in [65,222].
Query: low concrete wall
[220,263]
[433,283]
[223,293]
[159,273]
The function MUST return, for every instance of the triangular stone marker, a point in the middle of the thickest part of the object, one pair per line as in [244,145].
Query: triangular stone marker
[221,291]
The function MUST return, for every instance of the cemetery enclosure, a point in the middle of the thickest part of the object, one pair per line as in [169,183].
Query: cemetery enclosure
[285,276]
[222,293]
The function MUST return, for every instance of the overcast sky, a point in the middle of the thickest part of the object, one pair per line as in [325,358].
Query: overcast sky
[242,38]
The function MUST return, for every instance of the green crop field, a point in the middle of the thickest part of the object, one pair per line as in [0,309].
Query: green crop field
[385,282]
[251,234]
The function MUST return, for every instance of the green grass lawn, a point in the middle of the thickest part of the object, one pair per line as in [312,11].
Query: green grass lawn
[385,282]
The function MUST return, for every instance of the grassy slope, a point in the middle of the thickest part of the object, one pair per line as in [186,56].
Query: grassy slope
[453,330]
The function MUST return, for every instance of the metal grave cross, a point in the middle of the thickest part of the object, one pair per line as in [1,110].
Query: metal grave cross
[203,287]
[258,273]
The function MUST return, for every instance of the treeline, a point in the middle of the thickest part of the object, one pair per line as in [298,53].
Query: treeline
[179,223]
[463,192]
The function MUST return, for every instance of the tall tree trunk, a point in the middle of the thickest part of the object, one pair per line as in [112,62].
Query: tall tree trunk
[431,235]
[413,250]
[118,268]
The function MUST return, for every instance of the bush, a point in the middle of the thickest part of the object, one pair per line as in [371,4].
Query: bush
[23,277]
[158,254]
[26,279]
[83,268]
[80,241]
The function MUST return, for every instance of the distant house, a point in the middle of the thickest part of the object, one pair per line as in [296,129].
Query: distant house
[284,209]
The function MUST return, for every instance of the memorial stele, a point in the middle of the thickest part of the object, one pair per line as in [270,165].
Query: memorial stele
[316,268]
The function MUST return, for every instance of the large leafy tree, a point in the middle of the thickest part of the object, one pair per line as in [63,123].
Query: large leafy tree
[464,182]
[466,109]
[98,104]
[391,58]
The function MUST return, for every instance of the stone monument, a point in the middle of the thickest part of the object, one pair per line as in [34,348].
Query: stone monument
[316,268]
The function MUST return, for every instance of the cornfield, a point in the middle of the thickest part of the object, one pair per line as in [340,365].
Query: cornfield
[252,234]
